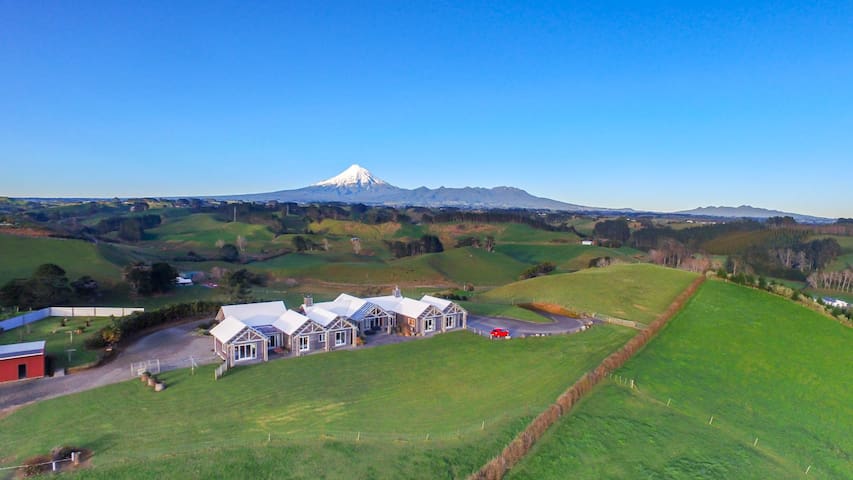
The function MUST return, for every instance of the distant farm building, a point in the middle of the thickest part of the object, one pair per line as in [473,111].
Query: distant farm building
[586,242]
[21,361]
[834,302]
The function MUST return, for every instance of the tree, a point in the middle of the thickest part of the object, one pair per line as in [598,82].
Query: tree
[48,285]
[239,285]
[85,287]
[130,230]
[145,279]
[617,231]
[242,243]
[229,253]
[163,277]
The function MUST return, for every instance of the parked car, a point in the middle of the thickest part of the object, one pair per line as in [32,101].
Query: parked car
[500,333]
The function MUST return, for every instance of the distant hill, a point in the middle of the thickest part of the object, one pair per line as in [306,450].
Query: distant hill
[747,211]
[357,185]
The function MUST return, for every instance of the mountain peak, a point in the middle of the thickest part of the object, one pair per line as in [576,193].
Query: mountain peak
[355,175]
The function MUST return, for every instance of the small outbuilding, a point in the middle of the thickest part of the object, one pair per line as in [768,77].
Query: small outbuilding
[20,361]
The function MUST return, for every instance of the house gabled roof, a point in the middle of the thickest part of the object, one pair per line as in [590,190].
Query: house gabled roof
[439,303]
[402,305]
[26,349]
[353,308]
[290,321]
[253,314]
[320,315]
[227,329]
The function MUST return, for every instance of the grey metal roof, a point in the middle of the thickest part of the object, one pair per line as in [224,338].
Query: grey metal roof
[26,349]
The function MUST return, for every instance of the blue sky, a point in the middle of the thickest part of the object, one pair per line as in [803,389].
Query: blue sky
[650,105]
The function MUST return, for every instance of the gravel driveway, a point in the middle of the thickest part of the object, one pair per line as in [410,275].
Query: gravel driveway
[518,328]
[172,346]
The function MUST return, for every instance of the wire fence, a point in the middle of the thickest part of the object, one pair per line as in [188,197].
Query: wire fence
[520,446]
[713,420]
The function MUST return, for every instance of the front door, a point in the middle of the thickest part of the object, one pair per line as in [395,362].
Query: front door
[22,371]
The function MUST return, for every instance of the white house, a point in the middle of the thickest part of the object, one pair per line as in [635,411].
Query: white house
[427,316]
[362,313]
[586,242]
[247,332]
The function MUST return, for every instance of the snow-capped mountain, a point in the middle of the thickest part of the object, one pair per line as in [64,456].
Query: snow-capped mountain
[357,185]
[355,175]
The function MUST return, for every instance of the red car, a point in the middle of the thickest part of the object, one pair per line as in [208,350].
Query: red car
[500,333]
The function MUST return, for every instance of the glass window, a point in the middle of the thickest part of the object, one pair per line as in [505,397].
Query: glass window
[340,338]
[429,324]
[321,337]
[304,345]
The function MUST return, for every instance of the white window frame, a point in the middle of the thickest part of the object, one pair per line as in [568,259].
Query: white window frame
[450,321]
[340,338]
[245,351]
[305,345]
[321,338]
[273,340]
[429,324]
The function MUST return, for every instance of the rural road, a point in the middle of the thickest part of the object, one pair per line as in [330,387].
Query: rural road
[172,346]
[518,328]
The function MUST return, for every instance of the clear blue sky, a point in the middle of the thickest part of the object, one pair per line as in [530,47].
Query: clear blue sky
[650,105]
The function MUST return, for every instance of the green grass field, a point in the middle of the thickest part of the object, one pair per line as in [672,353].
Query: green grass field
[504,311]
[58,339]
[20,256]
[763,366]
[569,257]
[636,292]
[312,409]
[474,265]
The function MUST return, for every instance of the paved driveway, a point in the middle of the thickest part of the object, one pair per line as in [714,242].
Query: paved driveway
[172,346]
[518,328]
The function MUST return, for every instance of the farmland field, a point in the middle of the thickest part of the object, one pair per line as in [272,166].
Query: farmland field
[433,408]
[636,292]
[762,366]
[20,256]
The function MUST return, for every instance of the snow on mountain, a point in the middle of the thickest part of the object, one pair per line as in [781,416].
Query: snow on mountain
[355,175]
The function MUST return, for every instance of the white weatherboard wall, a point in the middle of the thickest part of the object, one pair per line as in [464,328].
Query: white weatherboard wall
[37,315]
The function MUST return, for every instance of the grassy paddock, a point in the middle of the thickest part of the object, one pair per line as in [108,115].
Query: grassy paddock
[20,256]
[504,311]
[763,366]
[58,339]
[635,292]
[312,409]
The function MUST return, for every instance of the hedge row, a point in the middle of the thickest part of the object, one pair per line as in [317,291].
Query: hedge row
[127,327]
[496,468]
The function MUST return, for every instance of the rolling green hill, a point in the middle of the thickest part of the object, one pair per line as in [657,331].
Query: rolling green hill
[20,256]
[432,408]
[763,366]
[636,292]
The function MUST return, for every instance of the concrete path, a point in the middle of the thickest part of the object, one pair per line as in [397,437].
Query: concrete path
[519,328]
[172,346]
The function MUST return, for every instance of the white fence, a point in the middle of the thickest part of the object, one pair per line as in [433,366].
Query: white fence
[37,315]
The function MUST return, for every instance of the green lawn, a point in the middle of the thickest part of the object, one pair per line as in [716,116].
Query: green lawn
[20,256]
[474,265]
[504,310]
[763,366]
[433,408]
[567,257]
[201,231]
[636,292]
[58,339]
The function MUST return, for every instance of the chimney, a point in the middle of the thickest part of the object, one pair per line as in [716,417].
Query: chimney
[308,301]
[397,292]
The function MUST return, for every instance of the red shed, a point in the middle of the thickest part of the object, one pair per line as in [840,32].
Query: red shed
[20,361]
